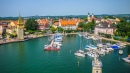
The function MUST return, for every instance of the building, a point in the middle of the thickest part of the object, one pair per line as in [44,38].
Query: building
[43,24]
[20,29]
[70,24]
[12,27]
[3,26]
[104,27]
[90,18]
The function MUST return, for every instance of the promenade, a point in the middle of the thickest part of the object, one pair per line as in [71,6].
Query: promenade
[111,39]
[6,41]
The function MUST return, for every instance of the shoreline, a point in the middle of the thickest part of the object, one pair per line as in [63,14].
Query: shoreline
[111,39]
[34,37]
[16,40]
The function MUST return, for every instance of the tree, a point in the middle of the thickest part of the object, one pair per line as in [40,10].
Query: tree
[128,34]
[60,29]
[86,18]
[115,33]
[81,25]
[53,29]
[31,24]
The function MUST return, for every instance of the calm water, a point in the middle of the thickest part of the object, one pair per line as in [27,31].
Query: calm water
[29,57]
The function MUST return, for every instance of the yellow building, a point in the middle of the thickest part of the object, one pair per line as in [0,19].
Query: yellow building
[20,29]
[117,19]
[12,27]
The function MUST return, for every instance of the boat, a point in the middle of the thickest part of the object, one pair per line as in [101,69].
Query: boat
[93,47]
[127,59]
[100,45]
[80,53]
[57,43]
[109,49]
[120,52]
[91,54]
[87,47]
[114,46]
[51,48]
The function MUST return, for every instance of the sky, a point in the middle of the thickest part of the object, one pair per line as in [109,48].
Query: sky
[62,7]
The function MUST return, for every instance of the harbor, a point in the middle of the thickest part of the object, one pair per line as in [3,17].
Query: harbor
[30,57]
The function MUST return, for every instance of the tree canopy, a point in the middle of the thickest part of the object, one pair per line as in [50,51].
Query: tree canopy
[123,28]
[31,24]
[53,29]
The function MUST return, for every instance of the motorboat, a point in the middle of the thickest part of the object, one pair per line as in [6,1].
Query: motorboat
[127,59]
[100,45]
[90,53]
[80,53]
[120,51]
[51,48]
[87,47]
[114,46]
[93,47]
[109,49]
[57,43]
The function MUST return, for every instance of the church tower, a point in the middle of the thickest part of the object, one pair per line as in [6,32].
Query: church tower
[93,16]
[88,16]
[97,65]
[20,29]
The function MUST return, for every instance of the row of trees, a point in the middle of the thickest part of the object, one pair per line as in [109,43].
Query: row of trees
[87,26]
[123,29]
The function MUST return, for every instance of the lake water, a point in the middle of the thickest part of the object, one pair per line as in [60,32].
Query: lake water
[30,57]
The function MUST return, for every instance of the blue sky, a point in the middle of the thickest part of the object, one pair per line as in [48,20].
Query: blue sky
[63,7]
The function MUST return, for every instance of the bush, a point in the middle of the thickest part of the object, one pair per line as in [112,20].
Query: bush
[13,35]
[30,31]
[107,35]
[44,31]
[116,38]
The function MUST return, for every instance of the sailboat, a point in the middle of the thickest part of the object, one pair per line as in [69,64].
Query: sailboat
[80,52]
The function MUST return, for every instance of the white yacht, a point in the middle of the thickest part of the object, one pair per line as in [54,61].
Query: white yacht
[80,53]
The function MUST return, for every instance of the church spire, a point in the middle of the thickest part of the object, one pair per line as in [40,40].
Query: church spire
[20,19]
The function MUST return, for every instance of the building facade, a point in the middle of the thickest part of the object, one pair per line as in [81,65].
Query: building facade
[20,29]
[104,27]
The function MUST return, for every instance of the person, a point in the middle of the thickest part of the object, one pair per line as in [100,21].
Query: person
[128,57]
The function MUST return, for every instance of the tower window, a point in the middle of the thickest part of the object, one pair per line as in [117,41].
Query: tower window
[96,71]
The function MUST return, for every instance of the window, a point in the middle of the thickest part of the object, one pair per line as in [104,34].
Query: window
[96,71]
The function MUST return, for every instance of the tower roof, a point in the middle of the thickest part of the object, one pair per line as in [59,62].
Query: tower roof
[20,20]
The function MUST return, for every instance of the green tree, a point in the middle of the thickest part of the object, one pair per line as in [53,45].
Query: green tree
[115,33]
[60,29]
[53,29]
[128,34]
[31,24]
[81,25]
[86,18]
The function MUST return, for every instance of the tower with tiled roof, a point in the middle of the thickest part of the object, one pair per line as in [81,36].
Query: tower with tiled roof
[20,29]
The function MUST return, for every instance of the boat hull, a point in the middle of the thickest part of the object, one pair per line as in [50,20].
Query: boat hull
[51,49]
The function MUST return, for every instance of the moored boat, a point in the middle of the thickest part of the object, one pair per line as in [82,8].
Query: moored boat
[51,48]
[114,46]
[127,59]
[80,53]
